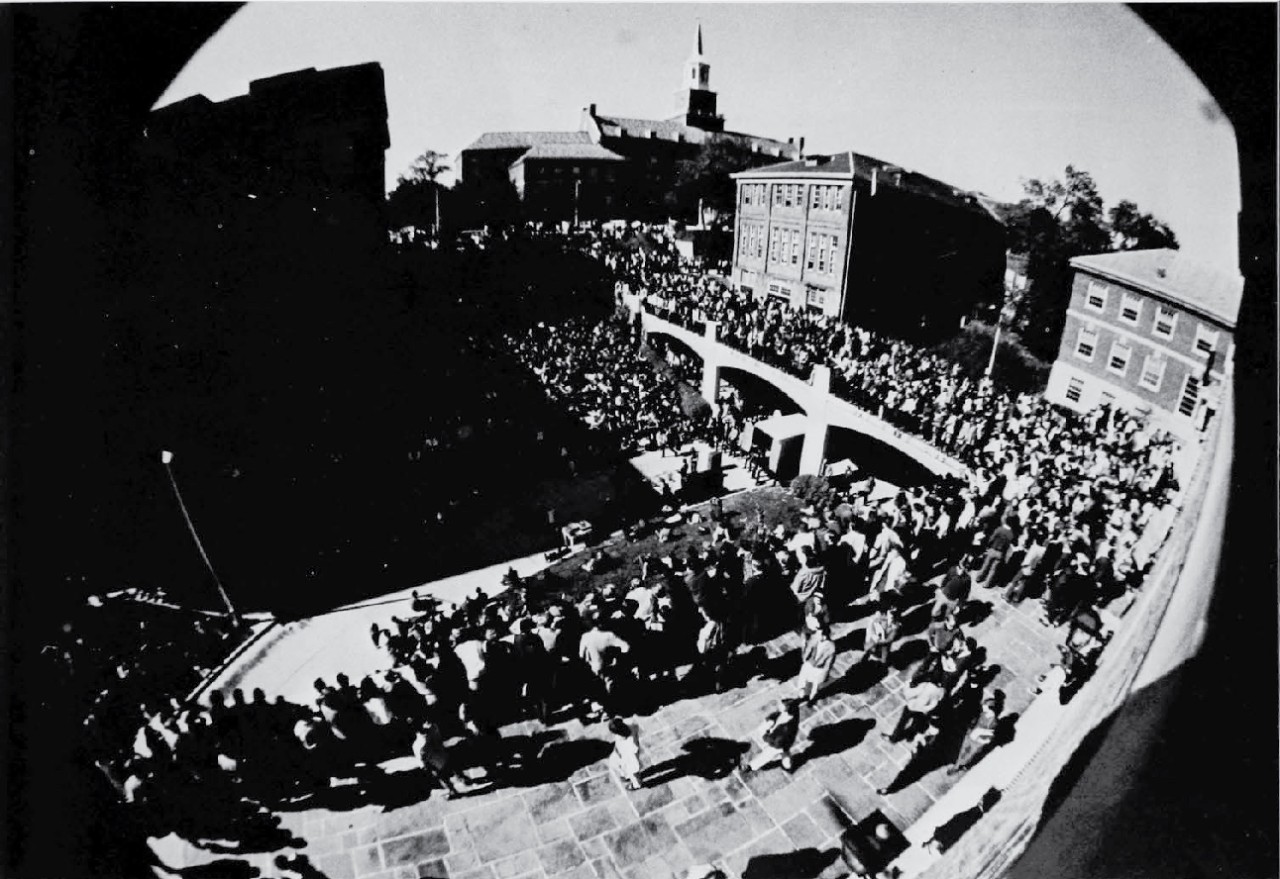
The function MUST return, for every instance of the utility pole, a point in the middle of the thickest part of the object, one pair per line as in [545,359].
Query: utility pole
[166,457]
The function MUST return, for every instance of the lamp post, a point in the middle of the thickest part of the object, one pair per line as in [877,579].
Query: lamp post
[577,187]
[166,458]
[1005,316]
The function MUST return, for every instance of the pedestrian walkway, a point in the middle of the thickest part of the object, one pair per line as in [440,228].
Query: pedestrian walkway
[698,808]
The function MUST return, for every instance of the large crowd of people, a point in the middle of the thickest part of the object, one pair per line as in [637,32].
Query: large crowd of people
[1054,510]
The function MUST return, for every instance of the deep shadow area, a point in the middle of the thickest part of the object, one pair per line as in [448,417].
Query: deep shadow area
[835,738]
[704,757]
[805,863]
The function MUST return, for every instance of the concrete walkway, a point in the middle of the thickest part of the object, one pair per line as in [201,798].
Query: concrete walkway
[577,821]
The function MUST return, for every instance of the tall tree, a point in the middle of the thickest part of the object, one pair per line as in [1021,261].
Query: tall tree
[1056,221]
[703,179]
[416,199]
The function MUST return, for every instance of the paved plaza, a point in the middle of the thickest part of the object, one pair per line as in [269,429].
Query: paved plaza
[577,821]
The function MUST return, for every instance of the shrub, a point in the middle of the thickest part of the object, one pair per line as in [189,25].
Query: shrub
[811,489]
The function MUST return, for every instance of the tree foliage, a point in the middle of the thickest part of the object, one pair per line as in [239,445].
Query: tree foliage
[704,178]
[1056,221]
[416,200]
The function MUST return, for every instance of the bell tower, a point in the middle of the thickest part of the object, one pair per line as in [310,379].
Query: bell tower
[695,101]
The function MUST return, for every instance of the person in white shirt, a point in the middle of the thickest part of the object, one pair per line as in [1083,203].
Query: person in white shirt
[624,760]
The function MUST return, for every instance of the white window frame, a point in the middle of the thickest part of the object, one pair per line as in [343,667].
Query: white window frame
[1074,385]
[1173,321]
[811,258]
[1099,290]
[1087,330]
[1155,365]
[815,296]
[795,247]
[1130,301]
[1204,334]
[1119,345]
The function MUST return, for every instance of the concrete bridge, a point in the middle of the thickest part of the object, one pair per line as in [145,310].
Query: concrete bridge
[822,409]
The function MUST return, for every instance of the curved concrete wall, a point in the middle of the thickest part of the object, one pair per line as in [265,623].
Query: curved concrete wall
[813,397]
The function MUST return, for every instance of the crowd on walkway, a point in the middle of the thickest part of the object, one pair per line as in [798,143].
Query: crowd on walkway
[1054,511]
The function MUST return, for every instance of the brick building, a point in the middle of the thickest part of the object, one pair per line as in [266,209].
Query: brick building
[1151,331]
[648,150]
[852,236]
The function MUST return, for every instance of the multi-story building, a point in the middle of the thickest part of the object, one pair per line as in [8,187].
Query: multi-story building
[648,148]
[851,236]
[1151,331]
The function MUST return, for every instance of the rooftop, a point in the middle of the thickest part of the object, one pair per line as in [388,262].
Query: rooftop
[675,130]
[580,151]
[513,140]
[1173,276]
[851,165]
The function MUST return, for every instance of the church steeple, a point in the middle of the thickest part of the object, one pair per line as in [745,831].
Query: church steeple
[695,101]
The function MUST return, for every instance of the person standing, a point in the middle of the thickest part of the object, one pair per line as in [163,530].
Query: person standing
[624,760]
[817,657]
[982,732]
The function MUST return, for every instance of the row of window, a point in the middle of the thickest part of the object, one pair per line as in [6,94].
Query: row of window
[784,247]
[1186,400]
[788,195]
[1163,324]
[1120,355]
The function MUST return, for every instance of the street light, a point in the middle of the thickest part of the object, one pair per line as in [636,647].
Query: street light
[1005,316]
[166,458]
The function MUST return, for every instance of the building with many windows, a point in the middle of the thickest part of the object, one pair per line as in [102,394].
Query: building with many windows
[1151,331]
[644,152]
[852,236]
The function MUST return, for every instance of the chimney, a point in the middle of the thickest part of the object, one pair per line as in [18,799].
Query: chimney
[591,109]
[800,146]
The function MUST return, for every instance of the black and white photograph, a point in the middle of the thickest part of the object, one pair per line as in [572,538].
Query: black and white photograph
[629,440]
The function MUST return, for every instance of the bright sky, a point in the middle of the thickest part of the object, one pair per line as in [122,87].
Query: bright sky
[977,95]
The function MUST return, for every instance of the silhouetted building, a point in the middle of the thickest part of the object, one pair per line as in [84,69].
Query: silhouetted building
[1151,331]
[301,153]
[852,236]
[649,148]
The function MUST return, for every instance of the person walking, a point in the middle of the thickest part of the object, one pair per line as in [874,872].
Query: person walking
[777,736]
[433,756]
[624,760]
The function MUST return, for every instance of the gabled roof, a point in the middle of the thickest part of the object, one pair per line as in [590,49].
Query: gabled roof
[855,166]
[1173,276]
[580,151]
[514,140]
[676,130]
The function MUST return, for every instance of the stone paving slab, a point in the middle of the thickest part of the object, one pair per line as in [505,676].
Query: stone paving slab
[589,827]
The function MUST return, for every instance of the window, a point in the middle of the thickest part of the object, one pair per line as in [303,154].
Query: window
[1152,372]
[1118,362]
[777,194]
[815,197]
[773,244]
[744,240]
[1131,308]
[795,247]
[1086,342]
[822,254]
[1206,340]
[1095,297]
[1075,388]
[812,258]
[826,197]
[837,197]
[1166,321]
[787,195]
[814,296]
[1190,395]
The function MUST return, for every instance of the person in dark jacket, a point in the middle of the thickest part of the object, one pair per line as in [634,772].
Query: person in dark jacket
[777,736]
